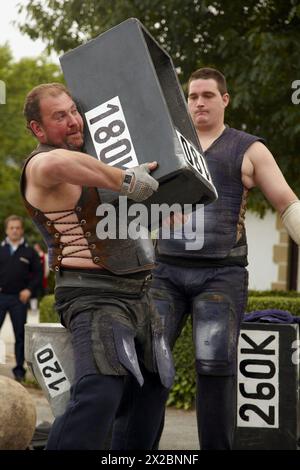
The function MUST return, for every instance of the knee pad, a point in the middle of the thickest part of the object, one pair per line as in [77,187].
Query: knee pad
[163,303]
[125,346]
[163,359]
[215,328]
[114,347]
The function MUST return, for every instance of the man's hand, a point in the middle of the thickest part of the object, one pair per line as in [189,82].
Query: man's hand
[138,184]
[25,295]
[176,220]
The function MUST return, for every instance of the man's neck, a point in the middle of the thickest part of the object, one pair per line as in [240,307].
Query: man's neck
[208,135]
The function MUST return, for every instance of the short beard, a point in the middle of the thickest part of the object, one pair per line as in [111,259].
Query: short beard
[74,148]
[68,146]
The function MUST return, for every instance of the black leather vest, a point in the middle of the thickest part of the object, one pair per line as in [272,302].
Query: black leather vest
[118,256]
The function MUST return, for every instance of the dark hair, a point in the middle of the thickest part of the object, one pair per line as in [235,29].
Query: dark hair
[206,73]
[11,218]
[31,109]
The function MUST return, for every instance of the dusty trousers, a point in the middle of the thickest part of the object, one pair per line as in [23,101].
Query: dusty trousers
[215,298]
[114,364]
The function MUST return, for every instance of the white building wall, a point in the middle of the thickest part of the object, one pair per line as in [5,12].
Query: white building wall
[262,235]
[298,279]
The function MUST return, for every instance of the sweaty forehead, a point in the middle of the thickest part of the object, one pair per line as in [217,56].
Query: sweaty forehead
[202,85]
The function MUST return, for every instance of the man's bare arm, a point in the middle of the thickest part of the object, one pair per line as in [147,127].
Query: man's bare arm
[268,177]
[65,166]
[50,169]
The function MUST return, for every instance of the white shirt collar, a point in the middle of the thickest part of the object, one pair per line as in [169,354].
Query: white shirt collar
[14,246]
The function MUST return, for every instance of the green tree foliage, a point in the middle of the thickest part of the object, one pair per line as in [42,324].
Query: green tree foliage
[16,141]
[254,42]
[19,77]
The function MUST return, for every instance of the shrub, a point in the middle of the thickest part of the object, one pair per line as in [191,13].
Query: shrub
[292,304]
[273,293]
[48,313]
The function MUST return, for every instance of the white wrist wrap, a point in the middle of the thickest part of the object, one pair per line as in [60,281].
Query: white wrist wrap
[291,221]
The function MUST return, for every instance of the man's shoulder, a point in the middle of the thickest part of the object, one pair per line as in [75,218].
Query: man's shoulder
[41,148]
[240,133]
[3,244]
[4,251]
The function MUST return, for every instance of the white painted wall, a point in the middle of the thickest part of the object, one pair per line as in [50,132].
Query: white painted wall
[262,235]
[298,283]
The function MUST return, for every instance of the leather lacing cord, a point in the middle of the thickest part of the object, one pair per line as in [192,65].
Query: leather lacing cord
[241,219]
[73,225]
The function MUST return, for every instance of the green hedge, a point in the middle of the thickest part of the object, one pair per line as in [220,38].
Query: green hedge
[273,293]
[47,311]
[292,304]
[183,391]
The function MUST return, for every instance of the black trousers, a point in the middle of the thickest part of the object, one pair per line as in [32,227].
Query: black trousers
[18,314]
[100,401]
[216,298]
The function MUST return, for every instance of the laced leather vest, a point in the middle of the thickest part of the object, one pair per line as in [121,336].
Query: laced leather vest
[71,236]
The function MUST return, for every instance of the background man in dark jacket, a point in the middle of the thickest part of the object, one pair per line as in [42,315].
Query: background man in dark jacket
[20,275]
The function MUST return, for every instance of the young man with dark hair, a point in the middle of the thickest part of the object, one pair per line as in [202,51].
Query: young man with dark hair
[211,283]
